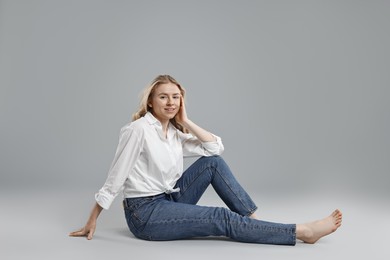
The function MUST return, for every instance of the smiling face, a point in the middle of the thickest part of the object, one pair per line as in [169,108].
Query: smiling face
[165,102]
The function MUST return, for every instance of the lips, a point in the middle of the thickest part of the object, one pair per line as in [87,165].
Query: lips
[170,109]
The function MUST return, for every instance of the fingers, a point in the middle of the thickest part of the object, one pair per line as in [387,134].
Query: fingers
[83,233]
[183,108]
[90,234]
[77,233]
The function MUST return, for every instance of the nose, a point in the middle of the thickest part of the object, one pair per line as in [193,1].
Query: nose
[169,101]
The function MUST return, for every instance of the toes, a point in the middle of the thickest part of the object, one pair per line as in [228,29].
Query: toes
[338,221]
[337,213]
[337,217]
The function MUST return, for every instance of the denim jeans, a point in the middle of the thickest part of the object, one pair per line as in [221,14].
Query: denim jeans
[176,216]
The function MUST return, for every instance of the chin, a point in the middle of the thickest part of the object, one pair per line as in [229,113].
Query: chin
[171,115]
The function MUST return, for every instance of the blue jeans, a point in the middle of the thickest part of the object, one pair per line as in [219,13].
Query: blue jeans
[176,216]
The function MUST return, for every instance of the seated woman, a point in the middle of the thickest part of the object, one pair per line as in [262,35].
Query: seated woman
[160,199]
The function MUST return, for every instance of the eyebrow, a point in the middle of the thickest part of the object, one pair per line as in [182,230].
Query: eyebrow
[174,94]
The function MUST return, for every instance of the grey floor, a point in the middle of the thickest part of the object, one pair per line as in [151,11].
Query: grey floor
[35,224]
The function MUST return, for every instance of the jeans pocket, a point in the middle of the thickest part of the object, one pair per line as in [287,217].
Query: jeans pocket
[138,212]
[135,203]
[137,221]
[135,224]
[136,216]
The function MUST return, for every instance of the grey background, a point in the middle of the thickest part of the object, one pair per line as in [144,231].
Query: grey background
[298,91]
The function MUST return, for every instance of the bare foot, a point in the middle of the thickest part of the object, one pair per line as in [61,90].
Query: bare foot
[311,232]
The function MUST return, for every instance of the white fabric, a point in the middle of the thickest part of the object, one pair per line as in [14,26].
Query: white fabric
[146,163]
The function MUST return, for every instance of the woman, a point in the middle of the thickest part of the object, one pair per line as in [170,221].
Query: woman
[160,200]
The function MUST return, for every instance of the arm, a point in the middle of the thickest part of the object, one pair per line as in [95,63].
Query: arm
[200,133]
[126,155]
[89,229]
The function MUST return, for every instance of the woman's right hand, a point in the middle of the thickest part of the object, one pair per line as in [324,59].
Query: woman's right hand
[86,231]
[89,229]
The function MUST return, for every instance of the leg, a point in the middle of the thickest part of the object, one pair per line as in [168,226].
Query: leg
[169,220]
[213,170]
[160,218]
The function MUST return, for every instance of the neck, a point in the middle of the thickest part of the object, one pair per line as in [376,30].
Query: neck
[164,123]
[165,126]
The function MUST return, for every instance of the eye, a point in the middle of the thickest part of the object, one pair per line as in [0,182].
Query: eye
[176,97]
[162,97]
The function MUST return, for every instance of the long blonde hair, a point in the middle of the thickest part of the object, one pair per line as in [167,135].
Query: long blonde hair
[148,94]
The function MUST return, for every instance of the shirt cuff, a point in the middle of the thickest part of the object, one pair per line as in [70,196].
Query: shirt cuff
[214,147]
[104,199]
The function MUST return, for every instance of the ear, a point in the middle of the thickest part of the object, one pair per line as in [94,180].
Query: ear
[150,105]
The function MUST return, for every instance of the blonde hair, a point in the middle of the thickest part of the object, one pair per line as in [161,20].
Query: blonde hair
[148,94]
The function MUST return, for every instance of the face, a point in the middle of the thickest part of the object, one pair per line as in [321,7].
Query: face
[165,102]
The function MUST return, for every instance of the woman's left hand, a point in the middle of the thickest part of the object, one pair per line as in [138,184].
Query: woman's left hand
[182,119]
[181,116]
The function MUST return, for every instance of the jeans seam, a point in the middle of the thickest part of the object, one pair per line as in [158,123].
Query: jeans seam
[192,182]
[209,166]
[242,203]
[199,220]
[230,222]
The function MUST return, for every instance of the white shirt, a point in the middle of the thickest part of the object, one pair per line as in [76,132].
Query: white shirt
[146,163]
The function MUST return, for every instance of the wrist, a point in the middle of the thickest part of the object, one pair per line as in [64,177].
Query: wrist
[91,221]
[186,123]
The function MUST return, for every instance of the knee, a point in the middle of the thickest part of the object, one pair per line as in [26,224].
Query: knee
[214,160]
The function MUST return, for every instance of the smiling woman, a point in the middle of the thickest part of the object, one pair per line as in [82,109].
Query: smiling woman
[160,199]
[150,93]
[165,103]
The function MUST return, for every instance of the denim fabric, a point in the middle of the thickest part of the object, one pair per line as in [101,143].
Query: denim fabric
[176,216]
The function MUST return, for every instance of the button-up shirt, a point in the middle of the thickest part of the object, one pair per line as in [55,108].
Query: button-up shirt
[147,163]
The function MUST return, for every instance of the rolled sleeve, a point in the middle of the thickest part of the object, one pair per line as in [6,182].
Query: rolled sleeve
[104,199]
[214,148]
[127,153]
[192,146]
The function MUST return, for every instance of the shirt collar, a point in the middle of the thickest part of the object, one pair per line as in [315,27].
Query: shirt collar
[151,119]
[154,121]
